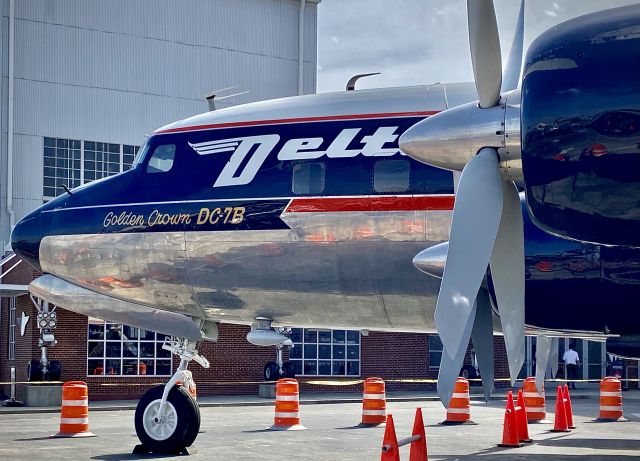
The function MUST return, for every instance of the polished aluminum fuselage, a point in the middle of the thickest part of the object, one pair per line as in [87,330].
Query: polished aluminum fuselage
[360,277]
[329,269]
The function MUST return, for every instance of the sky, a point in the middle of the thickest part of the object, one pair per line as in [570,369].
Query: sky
[413,42]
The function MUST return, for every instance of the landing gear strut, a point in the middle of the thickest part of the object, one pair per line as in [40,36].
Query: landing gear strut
[279,369]
[44,369]
[262,334]
[167,417]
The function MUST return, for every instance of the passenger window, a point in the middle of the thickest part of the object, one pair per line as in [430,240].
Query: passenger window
[162,158]
[391,176]
[308,178]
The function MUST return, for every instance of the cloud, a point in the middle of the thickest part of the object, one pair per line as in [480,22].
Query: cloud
[417,41]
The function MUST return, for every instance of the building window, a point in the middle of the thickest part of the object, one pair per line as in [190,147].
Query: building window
[435,351]
[12,329]
[101,159]
[391,176]
[308,178]
[71,163]
[128,156]
[119,350]
[325,352]
[61,165]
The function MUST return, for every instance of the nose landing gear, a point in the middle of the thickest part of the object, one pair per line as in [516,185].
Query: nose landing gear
[47,319]
[167,417]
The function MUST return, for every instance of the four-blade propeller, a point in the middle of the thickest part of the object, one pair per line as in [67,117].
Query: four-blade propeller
[487,227]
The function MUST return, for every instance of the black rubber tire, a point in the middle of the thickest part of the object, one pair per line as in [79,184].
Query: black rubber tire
[271,372]
[34,371]
[188,420]
[55,370]
[288,370]
[192,434]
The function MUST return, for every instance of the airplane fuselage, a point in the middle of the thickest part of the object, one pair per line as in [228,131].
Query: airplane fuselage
[301,210]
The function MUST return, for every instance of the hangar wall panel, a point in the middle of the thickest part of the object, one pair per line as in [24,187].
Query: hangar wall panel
[113,71]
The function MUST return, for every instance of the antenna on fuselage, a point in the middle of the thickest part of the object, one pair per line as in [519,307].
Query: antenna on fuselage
[351,84]
[212,96]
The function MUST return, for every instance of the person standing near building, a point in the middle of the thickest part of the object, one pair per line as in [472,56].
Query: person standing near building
[571,362]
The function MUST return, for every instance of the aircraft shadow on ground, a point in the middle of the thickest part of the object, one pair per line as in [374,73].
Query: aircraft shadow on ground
[596,444]
[560,441]
[511,454]
[33,439]
[129,455]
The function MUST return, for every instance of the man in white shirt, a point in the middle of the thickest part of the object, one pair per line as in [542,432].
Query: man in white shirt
[571,361]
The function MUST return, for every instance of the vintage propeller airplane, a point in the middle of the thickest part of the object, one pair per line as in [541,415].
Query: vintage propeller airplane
[304,212]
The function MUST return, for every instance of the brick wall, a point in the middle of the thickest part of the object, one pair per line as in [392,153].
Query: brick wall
[25,345]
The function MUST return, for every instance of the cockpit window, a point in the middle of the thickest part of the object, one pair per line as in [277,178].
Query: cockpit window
[161,159]
[141,154]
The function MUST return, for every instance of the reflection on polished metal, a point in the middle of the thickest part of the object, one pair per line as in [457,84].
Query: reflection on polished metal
[432,260]
[78,299]
[328,270]
[453,137]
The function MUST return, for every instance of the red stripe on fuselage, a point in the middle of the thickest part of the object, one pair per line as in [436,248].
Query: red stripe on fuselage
[297,120]
[371,203]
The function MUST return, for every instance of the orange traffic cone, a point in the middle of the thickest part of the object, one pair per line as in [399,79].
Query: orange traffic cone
[419,447]
[390,448]
[560,423]
[568,407]
[74,413]
[287,415]
[373,402]
[521,413]
[610,399]
[535,402]
[459,409]
[510,430]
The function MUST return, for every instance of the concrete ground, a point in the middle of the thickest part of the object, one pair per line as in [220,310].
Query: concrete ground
[235,432]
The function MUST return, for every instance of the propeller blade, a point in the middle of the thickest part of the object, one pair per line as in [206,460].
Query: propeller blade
[450,364]
[543,351]
[484,42]
[553,357]
[507,272]
[482,337]
[474,226]
[513,69]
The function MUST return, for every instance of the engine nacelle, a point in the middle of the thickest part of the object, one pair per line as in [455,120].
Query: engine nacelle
[580,122]
[260,337]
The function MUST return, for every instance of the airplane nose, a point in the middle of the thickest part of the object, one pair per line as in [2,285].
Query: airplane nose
[26,237]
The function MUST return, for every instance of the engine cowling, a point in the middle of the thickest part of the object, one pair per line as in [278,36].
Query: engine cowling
[580,121]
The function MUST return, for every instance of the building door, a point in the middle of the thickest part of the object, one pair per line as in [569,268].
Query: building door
[595,360]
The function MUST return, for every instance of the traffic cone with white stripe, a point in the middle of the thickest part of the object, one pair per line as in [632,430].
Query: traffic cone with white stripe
[287,416]
[374,403]
[610,400]
[74,413]
[459,409]
[535,402]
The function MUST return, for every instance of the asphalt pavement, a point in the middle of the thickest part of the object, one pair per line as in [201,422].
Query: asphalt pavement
[238,432]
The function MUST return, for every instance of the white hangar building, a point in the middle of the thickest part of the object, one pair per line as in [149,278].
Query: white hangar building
[84,80]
